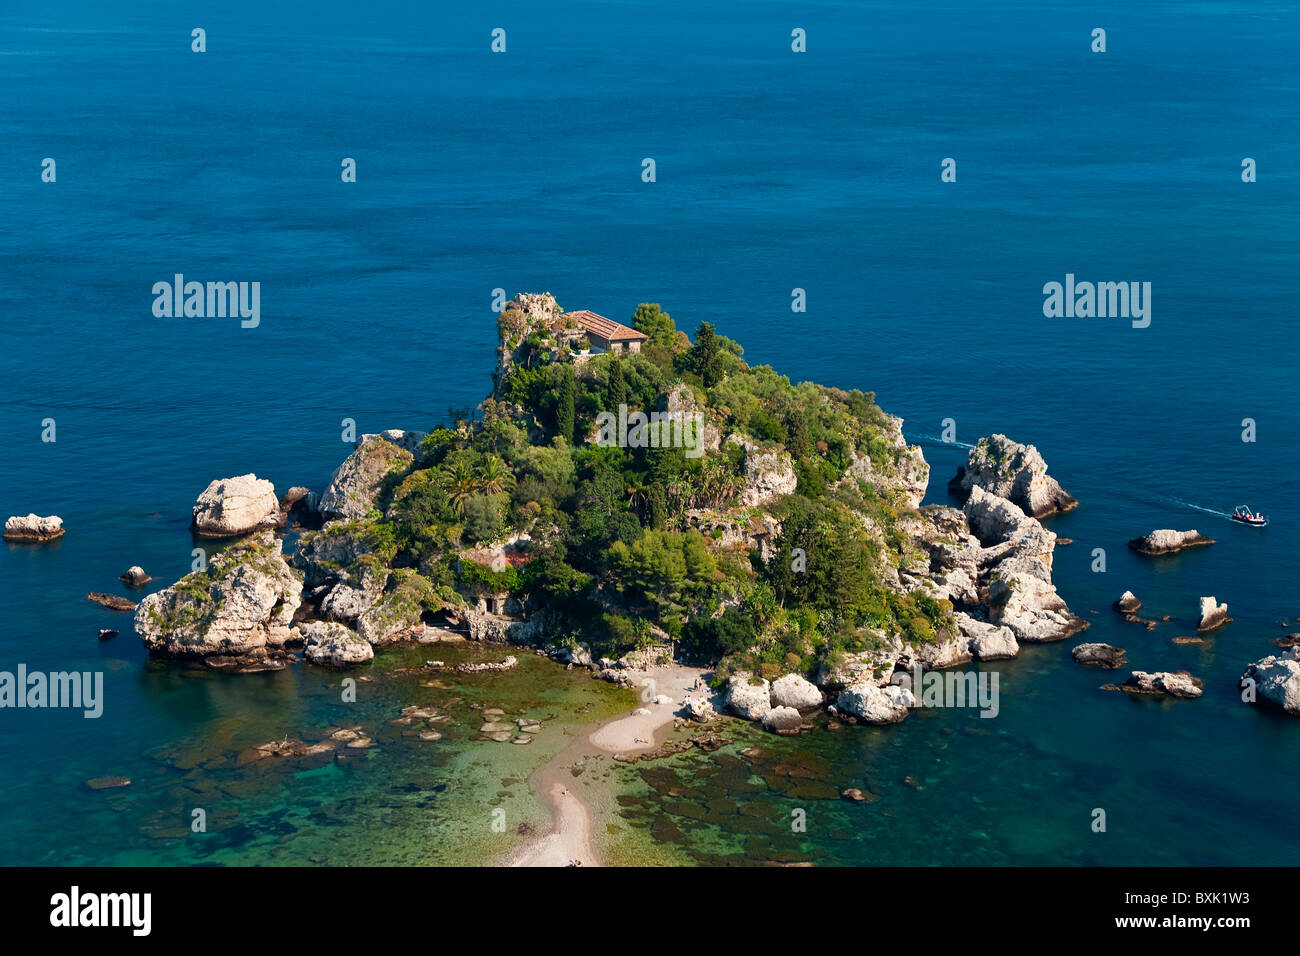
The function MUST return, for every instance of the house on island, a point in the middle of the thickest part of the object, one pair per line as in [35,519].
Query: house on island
[605,335]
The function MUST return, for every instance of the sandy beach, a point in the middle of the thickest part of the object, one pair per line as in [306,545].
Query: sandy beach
[570,836]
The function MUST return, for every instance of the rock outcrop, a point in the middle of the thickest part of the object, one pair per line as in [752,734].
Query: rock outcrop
[333,645]
[1015,567]
[358,484]
[700,709]
[1274,682]
[1213,615]
[1100,655]
[134,577]
[238,613]
[230,507]
[876,705]
[768,474]
[1175,684]
[748,700]
[796,692]
[1166,541]
[33,528]
[1127,603]
[397,611]
[1012,471]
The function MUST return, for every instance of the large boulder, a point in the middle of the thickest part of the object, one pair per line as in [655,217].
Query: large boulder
[1127,603]
[1013,471]
[230,507]
[333,645]
[238,612]
[1276,682]
[1166,541]
[359,483]
[1213,615]
[783,720]
[794,691]
[748,700]
[33,528]
[876,705]
[987,642]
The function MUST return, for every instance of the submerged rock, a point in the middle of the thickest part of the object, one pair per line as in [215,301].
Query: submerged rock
[33,528]
[230,507]
[107,783]
[1166,541]
[1213,615]
[1100,655]
[111,601]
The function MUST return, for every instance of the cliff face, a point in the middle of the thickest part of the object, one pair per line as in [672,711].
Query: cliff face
[788,541]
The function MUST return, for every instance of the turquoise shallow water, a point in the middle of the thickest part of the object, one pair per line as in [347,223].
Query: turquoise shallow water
[775,171]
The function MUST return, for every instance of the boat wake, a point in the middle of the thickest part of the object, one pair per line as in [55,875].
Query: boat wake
[935,441]
[1179,503]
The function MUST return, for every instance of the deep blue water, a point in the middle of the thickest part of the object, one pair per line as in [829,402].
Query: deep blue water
[774,171]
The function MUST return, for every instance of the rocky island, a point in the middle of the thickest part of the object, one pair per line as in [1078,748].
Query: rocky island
[780,534]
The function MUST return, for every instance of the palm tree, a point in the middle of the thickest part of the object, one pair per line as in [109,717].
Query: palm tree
[461,483]
[493,476]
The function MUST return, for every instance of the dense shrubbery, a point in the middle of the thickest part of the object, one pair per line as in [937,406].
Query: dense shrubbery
[611,550]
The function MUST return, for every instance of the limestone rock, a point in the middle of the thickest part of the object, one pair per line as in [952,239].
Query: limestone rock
[230,507]
[1276,682]
[397,611]
[1127,603]
[333,645]
[876,705]
[768,475]
[782,720]
[357,484]
[1176,684]
[987,642]
[134,577]
[794,691]
[700,709]
[33,528]
[1166,541]
[1213,614]
[747,700]
[239,611]
[1013,471]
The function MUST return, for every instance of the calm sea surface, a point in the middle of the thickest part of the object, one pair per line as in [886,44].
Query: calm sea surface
[775,171]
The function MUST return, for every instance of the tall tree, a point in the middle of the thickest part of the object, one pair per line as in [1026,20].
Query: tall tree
[564,404]
[616,391]
[705,356]
[658,502]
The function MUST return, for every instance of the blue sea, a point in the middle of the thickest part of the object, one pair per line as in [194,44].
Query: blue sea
[774,171]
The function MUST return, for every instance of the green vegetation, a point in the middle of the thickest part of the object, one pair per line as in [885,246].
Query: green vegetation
[605,539]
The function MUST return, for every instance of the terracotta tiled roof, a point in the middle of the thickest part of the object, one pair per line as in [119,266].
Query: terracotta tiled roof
[607,329]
